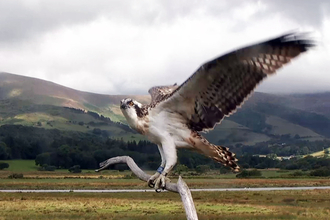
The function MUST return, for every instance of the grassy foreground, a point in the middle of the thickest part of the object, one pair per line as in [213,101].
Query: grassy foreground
[105,183]
[310,204]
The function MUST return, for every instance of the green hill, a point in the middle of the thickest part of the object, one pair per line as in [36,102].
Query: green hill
[22,112]
[41,92]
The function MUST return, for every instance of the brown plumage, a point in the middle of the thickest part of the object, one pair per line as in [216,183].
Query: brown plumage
[222,85]
[218,153]
[219,86]
[176,114]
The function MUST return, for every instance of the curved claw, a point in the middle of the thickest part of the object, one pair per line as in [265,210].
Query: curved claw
[158,181]
[161,181]
[151,181]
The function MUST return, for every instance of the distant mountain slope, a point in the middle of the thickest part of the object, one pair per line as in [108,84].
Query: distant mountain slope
[44,92]
[315,102]
[318,103]
[23,112]
[34,102]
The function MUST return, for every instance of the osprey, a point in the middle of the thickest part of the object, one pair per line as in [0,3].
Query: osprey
[177,114]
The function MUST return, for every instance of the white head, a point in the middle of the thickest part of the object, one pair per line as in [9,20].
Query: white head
[131,109]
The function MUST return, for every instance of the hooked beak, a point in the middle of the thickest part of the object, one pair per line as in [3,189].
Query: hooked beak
[123,105]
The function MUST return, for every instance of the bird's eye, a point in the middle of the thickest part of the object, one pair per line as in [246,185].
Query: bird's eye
[131,103]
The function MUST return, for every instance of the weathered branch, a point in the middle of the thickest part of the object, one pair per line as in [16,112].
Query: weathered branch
[180,187]
[187,200]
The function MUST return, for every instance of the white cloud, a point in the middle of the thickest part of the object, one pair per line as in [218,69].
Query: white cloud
[122,48]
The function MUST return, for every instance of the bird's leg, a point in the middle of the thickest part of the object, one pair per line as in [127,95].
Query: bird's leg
[169,154]
[151,181]
[161,180]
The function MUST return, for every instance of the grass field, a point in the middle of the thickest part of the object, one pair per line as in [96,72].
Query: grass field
[310,204]
[20,165]
[113,179]
[82,183]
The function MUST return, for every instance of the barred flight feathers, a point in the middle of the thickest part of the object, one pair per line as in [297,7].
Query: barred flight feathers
[159,93]
[220,86]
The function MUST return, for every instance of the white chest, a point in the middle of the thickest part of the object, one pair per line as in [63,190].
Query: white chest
[166,126]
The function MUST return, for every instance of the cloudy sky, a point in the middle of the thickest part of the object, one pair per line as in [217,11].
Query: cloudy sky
[125,47]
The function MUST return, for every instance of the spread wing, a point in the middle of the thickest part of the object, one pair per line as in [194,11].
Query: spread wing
[218,87]
[159,93]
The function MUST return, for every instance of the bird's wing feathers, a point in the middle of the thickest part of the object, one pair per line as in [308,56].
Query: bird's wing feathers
[159,93]
[218,87]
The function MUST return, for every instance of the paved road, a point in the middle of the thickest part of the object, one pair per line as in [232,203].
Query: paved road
[151,190]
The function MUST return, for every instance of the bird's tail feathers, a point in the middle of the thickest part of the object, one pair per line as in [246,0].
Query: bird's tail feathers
[218,153]
[224,156]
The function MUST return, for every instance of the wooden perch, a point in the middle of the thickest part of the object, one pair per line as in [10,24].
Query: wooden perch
[180,187]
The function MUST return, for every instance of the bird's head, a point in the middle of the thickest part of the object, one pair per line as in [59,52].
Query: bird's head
[131,109]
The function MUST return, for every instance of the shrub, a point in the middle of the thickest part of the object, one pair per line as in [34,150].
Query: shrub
[46,167]
[75,169]
[180,169]
[203,168]
[249,173]
[121,167]
[3,165]
[225,170]
[16,176]
[323,171]
[292,167]
[298,173]
[97,131]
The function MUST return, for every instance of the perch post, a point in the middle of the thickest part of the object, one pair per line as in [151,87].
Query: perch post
[180,187]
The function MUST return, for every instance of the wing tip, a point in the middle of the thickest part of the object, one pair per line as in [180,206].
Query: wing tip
[302,39]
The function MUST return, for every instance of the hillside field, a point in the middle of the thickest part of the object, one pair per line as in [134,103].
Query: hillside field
[318,153]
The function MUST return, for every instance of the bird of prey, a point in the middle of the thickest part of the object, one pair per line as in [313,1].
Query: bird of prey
[178,114]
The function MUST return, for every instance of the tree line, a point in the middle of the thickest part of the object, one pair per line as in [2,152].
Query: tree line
[65,149]
[282,145]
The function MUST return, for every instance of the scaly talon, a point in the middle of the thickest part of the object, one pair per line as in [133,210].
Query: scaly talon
[151,181]
[160,182]
[151,184]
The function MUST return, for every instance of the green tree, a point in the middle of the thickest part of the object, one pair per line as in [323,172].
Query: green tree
[180,168]
[4,151]
[305,150]
[63,154]
[203,169]
[44,158]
